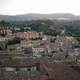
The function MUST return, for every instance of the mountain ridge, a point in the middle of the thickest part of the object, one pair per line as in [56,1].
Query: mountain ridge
[36,16]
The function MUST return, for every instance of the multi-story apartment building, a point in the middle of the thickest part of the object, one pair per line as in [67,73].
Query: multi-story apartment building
[28,35]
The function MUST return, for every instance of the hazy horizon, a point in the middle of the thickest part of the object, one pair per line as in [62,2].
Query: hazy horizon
[18,7]
[36,13]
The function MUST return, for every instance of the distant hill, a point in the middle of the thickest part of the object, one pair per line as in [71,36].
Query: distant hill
[28,17]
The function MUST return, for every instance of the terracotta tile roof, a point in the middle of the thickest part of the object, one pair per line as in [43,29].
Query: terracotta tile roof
[61,72]
[20,62]
[56,71]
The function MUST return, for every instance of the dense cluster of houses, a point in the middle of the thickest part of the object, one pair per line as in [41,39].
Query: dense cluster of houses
[25,53]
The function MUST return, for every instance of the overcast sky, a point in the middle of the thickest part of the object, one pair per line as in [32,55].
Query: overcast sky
[14,7]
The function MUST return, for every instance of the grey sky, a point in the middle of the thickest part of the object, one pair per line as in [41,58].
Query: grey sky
[14,7]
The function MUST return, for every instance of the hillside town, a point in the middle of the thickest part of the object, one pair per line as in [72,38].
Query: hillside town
[39,39]
[33,55]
